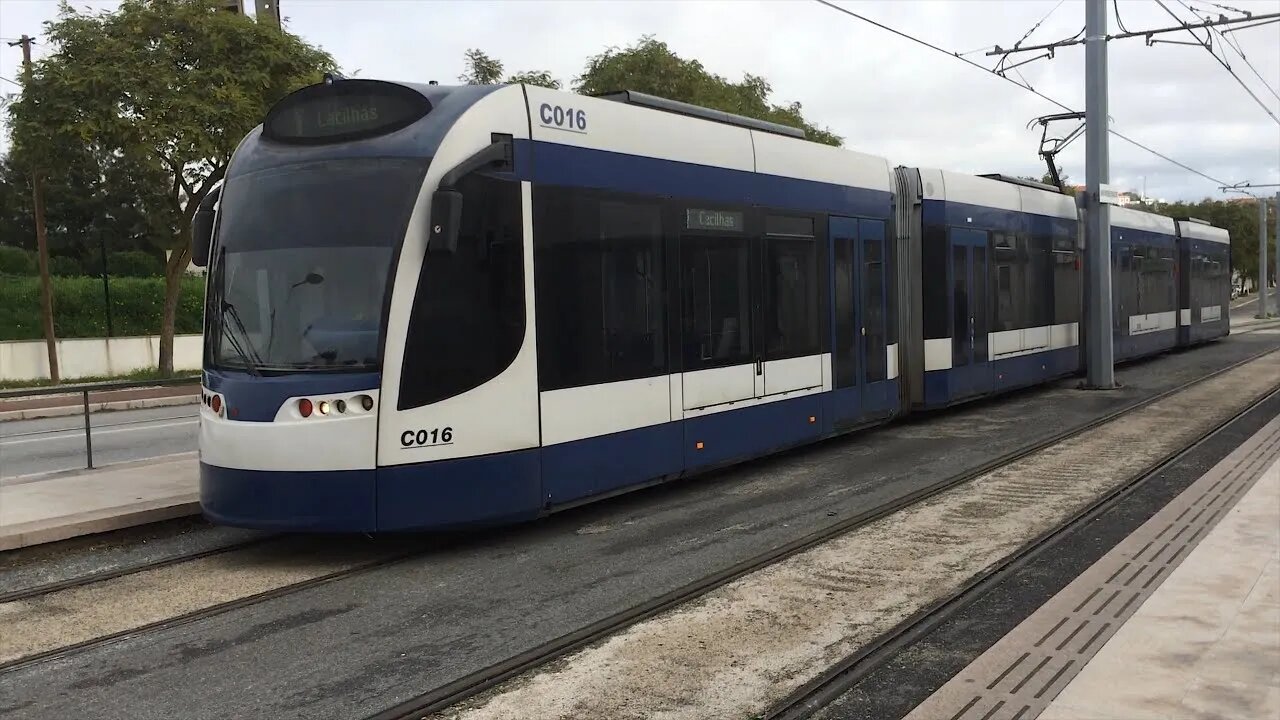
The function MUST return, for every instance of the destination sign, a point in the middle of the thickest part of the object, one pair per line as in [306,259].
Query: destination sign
[696,219]
[344,110]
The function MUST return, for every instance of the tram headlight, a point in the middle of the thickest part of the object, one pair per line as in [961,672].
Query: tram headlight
[366,402]
[340,405]
[323,407]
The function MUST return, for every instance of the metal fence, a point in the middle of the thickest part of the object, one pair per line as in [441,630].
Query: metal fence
[84,390]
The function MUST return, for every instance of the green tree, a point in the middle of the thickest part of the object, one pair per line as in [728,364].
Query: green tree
[162,88]
[481,69]
[88,204]
[484,70]
[649,66]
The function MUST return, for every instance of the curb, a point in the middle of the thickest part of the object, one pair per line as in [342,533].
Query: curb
[39,532]
[65,410]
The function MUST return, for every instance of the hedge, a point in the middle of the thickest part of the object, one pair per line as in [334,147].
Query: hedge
[136,306]
[63,266]
[126,263]
[16,261]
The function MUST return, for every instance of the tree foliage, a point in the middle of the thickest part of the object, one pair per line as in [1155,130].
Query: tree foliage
[484,70]
[87,205]
[160,91]
[650,66]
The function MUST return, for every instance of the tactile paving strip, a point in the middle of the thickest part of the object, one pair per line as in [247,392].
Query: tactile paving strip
[1020,675]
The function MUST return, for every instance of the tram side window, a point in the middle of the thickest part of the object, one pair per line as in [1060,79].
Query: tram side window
[716,303]
[1153,267]
[1066,282]
[599,283]
[1039,295]
[467,322]
[1010,282]
[791,274]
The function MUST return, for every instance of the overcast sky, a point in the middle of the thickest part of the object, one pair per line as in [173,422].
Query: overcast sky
[883,94]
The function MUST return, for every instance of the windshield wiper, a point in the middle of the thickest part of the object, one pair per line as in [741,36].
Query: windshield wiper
[250,364]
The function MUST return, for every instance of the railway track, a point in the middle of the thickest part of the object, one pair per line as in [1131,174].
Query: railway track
[79,581]
[36,594]
[837,680]
[479,682]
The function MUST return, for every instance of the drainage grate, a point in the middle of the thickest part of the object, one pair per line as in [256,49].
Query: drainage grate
[1020,675]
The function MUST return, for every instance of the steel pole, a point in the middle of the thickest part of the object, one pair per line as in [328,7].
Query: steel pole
[106,281]
[1277,251]
[88,433]
[1099,360]
[1262,257]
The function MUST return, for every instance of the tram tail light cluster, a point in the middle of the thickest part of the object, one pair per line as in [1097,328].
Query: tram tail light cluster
[341,406]
[213,401]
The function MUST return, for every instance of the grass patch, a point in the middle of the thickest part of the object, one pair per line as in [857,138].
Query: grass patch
[135,376]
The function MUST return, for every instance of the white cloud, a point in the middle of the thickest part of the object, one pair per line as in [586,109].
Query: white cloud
[884,94]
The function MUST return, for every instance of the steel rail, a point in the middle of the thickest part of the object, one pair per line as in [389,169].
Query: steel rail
[133,569]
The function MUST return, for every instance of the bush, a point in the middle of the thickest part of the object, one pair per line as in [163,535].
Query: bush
[134,263]
[136,306]
[60,265]
[16,261]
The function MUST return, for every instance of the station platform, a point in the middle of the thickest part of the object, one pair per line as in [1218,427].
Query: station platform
[1180,621]
[47,508]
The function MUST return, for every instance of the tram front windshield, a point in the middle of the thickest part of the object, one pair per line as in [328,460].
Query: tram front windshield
[302,264]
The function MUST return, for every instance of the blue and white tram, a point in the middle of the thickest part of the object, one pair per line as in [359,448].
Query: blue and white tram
[998,268]
[437,306]
[1204,254]
[1144,287]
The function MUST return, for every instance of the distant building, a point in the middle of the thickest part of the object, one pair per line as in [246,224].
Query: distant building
[1128,197]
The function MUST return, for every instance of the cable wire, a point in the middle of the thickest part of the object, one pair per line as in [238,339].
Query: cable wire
[1239,51]
[1037,25]
[1116,4]
[10,81]
[1227,8]
[967,61]
[1221,62]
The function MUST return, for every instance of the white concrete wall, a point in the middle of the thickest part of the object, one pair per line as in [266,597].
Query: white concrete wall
[87,357]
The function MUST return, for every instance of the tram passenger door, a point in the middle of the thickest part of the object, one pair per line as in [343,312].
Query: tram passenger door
[873,315]
[971,372]
[846,323]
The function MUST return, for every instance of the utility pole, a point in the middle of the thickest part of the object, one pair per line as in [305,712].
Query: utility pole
[1100,362]
[1277,247]
[42,240]
[268,13]
[1262,256]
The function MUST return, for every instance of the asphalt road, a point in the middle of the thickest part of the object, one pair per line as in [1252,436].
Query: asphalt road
[49,444]
[1249,307]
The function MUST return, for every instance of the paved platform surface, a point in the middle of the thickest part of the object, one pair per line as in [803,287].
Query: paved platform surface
[45,509]
[1181,621]
[1207,643]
